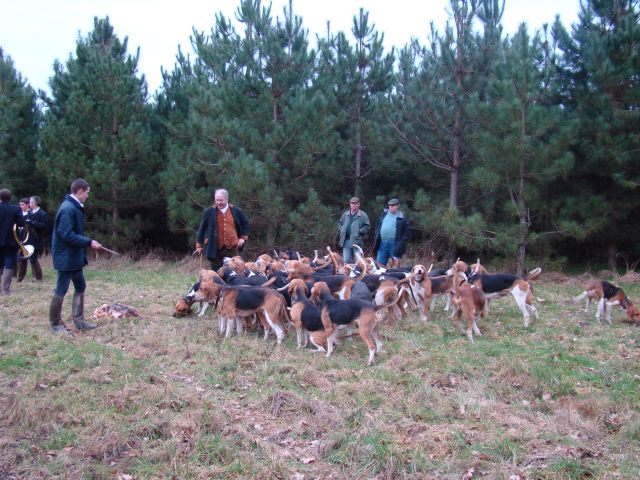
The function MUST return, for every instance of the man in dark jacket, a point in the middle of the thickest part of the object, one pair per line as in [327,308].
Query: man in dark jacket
[23,235]
[392,234]
[10,215]
[69,257]
[223,231]
[38,222]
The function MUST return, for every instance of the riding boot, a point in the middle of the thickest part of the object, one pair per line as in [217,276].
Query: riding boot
[55,316]
[37,271]
[7,277]
[77,312]
[22,269]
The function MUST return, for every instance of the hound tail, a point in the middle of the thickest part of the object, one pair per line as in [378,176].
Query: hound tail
[580,297]
[534,274]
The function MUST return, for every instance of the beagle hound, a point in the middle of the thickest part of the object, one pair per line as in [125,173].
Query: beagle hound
[470,301]
[339,314]
[305,316]
[607,295]
[235,303]
[500,284]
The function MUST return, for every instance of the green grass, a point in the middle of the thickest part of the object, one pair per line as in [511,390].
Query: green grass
[159,397]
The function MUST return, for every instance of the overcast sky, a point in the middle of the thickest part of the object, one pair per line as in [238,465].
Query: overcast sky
[34,33]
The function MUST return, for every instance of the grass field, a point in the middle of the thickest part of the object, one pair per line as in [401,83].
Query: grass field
[159,397]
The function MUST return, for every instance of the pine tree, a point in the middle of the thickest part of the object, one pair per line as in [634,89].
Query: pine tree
[252,125]
[523,146]
[438,84]
[19,122]
[600,65]
[360,76]
[98,126]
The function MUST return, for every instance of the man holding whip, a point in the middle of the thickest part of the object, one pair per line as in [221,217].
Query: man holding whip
[68,249]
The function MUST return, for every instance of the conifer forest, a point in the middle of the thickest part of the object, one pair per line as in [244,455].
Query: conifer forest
[517,147]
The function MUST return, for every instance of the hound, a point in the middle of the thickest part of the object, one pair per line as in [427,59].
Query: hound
[183,306]
[230,277]
[420,285]
[470,301]
[306,317]
[607,295]
[339,314]
[235,303]
[500,284]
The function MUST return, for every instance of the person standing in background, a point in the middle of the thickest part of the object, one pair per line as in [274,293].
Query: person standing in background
[223,230]
[10,215]
[392,234]
[38,222]
[23,234]
[352,226]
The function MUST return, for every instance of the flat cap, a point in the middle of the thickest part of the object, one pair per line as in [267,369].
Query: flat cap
[394,201]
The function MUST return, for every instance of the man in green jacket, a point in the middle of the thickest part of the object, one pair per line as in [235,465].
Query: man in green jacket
[353,226]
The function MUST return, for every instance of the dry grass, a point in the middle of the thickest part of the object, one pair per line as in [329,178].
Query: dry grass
[159,397]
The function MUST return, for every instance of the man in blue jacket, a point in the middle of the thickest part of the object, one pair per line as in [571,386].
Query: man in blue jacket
[392,234]
[68,249]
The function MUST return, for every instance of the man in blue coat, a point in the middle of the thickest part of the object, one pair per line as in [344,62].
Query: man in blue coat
[392,234]
[10,215]
[68,249]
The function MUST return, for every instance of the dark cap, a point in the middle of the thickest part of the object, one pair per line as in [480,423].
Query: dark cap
[394,201]
[354,200]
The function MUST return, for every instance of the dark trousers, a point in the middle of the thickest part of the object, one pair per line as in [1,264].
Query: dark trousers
[216,262]
[22,263]
[33,259]
[8,257]
[65,278]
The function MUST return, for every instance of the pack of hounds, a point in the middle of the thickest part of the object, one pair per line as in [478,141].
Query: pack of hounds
[324,298]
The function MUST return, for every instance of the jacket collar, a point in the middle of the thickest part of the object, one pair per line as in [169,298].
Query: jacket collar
[400,214]
[71,197]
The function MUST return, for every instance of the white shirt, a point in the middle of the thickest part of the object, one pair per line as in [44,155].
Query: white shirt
[76,199]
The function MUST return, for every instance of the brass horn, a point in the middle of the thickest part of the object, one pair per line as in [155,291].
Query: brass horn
[25,250]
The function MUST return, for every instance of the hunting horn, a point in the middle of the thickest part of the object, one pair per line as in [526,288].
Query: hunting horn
[25,250]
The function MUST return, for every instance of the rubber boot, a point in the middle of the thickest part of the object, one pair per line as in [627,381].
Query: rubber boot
[37,271]
[22,269]
[7,277]
[77,312]
[55,316]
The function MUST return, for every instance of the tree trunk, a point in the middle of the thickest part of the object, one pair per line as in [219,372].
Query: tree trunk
[358,163]
[115,212]
[522,206]
[612,247]
[612,253]
[522,246]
